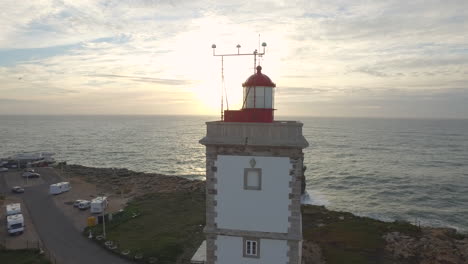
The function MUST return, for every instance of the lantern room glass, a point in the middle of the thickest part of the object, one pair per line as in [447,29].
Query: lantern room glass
[258,97]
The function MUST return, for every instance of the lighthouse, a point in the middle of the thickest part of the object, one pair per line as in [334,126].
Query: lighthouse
[254,177]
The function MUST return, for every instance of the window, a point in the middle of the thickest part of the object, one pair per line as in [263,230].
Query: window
[251,248]
[252,179]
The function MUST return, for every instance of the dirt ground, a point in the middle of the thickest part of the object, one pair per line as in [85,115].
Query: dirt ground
[29,238]
[82,190]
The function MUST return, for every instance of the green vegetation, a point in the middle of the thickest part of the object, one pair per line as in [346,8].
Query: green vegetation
[22,256]
[169,227]
[165,226]
[346,238]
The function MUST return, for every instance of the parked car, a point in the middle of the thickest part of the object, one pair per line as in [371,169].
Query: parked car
[17,189]
[2,169]
[77,203]
[85,204]
[31,174]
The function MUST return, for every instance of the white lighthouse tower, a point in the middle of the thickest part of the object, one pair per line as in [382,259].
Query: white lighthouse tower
[254,171]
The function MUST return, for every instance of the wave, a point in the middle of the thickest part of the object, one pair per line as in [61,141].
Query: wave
[314,198]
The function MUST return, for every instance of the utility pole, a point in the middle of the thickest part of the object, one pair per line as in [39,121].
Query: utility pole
[104,223]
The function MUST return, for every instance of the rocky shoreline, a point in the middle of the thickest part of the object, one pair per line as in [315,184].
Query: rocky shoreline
[434,245]
[130,183]
[329,237]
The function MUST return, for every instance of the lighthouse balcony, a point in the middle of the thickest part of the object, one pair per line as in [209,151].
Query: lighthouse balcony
[275,134]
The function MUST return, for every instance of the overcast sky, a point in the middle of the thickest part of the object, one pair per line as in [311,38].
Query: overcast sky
[328,58]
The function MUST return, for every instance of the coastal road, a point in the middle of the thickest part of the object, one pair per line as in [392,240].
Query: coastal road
[57,231]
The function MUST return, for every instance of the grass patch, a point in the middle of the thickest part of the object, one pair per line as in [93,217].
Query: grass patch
[22,256]
[346,238]
[166,226]
[169,228]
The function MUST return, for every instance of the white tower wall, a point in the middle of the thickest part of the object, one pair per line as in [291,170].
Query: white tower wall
[238,208]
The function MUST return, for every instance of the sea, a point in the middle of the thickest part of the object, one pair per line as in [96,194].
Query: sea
[388,169]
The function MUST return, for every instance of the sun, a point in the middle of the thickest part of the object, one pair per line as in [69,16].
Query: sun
[195,60]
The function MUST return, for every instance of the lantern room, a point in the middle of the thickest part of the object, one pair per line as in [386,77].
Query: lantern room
[258,100]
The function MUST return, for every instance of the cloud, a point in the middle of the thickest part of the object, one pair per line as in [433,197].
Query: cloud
[52,23]
[390,102]
[371,71]
[320,52]
[146,79]
[15,101]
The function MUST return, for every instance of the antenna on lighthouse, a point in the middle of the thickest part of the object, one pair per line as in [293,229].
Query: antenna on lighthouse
[255,53]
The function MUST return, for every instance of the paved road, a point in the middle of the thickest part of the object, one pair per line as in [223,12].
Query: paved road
[3,185]
[57,231]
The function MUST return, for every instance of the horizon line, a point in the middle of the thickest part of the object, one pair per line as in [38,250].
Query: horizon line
[210,115]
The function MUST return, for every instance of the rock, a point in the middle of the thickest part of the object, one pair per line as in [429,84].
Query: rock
[435,246]
[311,253]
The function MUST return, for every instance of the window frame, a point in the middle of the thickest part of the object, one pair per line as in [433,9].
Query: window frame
[246,172]
[245,247]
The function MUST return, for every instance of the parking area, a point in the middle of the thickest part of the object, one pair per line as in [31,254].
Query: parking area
[14,178]
[53,219]
[82,190]
[28,238]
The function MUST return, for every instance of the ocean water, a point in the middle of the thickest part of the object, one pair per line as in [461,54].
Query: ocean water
[389,169]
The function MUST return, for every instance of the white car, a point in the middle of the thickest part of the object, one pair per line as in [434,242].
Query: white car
[85,204]
[17,189]
[76,203]
[3,169]
[31,175]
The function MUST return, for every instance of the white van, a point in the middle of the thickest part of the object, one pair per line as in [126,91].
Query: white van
[99,204]
[15,224]
[58,188]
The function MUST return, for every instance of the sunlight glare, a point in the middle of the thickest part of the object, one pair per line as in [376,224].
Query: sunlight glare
[195,60]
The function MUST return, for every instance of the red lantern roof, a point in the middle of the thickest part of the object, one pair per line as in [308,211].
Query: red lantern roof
[259,79]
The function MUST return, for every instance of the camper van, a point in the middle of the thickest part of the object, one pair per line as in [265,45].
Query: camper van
[15,221]
[58,188]
[99,204]
[15,224]
[12,209]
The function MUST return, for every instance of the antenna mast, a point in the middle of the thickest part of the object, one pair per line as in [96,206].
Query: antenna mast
[255,53]
[222,88]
